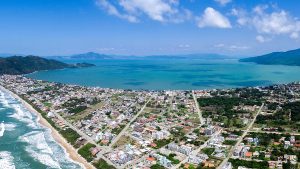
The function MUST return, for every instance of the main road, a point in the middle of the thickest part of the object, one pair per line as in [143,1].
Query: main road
[241,138]
[198,109]
[128,124]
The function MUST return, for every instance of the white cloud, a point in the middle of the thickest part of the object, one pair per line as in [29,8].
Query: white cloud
[220,45]
[276,22]
[261,39]
[112,10]
[236,47]
[158,10]
[260,9]
[231,47]
[223,2]
[241,16]
[184,46]
[155,9]
[213,18]
[106,49]
[294,35]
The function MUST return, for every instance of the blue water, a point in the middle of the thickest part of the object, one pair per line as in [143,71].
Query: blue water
[25,143]
[172,74]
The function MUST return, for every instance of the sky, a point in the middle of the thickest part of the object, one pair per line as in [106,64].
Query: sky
[149,27]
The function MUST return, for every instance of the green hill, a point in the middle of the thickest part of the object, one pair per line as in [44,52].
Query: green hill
[291,58]
[28,64]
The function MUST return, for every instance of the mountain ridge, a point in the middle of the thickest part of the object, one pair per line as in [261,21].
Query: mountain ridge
[290,58]
[28,64]
[97,56]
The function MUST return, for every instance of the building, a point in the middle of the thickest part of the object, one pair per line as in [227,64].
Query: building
[159,135]
[210,130]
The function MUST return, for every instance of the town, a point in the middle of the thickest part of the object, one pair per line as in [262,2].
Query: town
[254,127]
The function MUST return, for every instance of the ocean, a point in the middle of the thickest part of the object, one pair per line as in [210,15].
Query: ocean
[26,144]
[160,74]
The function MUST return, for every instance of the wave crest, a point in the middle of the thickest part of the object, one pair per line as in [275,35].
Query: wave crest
[39,149]
[6,160]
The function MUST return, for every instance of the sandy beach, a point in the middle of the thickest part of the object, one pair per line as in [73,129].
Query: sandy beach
[71,151]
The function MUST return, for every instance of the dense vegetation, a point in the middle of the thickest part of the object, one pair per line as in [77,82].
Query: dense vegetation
[70,135]
[208,151]
[230,142]
[84,151]
[291,58]
[75,105]
[28,64]
[102,164]
[23,65]
[294,107]
[157,166]
[226,102]
[221,108]
[289,116]
[249,164]
[161,143]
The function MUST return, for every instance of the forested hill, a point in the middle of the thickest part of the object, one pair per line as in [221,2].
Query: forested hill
[28,64]
[291,58]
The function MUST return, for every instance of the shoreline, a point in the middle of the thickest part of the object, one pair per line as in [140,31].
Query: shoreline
[68,148]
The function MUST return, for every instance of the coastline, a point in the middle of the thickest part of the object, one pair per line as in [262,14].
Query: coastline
[68,148]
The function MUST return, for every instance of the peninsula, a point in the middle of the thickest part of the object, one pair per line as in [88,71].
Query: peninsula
[23,65]
[290,58]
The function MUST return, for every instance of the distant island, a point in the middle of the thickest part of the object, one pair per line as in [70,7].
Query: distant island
[290,58]
[16,65]
[84,56]
[99,56]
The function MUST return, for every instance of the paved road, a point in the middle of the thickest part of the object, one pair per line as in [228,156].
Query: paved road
[82,134]
[128,124]
[89,139]
[240,139]
[292,92]
[198,109]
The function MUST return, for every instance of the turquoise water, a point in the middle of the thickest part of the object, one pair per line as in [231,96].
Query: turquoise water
[172,74]
[25,143]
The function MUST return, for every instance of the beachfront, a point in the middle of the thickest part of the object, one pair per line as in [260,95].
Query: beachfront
[71,151]
[126,128]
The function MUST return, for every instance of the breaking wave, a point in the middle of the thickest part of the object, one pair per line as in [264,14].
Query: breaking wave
[10,126]
[39,143]
[6,160]
[3,100]
[39,149]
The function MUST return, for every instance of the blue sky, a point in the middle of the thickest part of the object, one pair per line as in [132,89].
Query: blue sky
[148,27]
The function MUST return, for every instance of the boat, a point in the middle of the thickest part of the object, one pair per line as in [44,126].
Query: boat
[2,129]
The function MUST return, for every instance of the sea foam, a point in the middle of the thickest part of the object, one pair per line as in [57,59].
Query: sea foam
[40,145]
[6,160]
[3,99]
[23,115]
[10,126]
[2,129]
[39,149]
